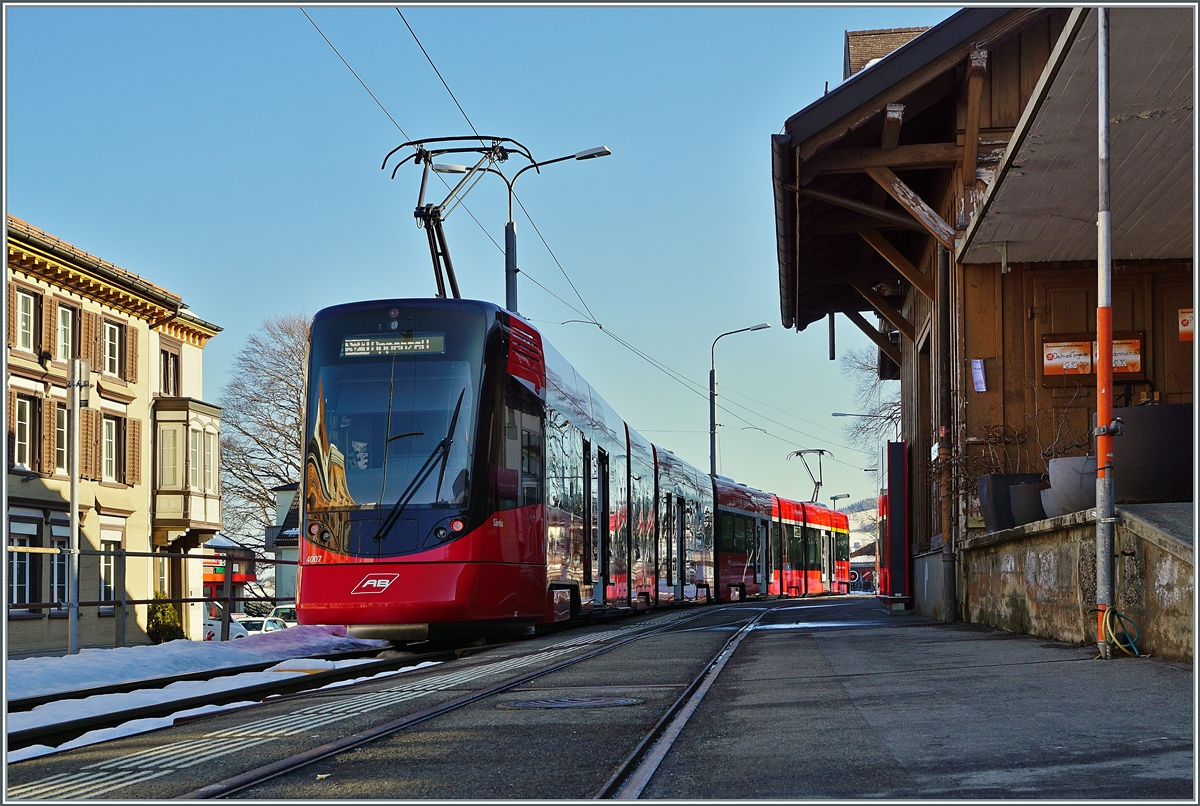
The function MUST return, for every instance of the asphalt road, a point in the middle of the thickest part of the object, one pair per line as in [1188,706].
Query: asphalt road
[829,698]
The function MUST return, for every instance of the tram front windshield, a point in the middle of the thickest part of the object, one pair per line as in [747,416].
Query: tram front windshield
[384,390]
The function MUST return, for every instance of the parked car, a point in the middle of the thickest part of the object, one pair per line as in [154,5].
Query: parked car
[257,626]
[212,624]
[286,614]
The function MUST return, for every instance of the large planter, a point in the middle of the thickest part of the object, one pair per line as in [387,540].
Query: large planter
[1050,504]
[1073,480]
[994,500]
[1025,500]
[1152,460]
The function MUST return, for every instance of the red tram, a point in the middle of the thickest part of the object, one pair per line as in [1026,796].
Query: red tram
[460,476]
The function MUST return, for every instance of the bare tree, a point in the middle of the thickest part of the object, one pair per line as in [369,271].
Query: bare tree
[878,400]
[262,424]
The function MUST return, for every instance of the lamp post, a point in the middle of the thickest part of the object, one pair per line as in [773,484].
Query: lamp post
[510,228]
[79,384]
[869,416]
[712,395]
[836,498]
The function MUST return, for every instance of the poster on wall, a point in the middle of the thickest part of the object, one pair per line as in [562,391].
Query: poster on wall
[1187,324]
[1066,358]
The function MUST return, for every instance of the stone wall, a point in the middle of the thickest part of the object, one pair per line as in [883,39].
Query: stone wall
[1040,579]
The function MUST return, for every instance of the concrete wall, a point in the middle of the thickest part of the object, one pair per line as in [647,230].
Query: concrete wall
[1040,579]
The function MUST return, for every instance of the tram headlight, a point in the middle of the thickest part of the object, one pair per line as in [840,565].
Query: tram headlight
[440,532]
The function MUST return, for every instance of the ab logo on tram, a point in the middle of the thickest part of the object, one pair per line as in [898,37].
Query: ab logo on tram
[374,583]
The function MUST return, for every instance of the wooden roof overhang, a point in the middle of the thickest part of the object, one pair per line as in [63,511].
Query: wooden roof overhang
[60,264]
[1044,201]
[853,169]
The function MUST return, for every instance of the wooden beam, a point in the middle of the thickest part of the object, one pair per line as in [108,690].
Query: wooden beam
[872,333]
[893,119]
[892,255]
[915,205]
[850,160]
[892,217]
[976,67]
[886,310]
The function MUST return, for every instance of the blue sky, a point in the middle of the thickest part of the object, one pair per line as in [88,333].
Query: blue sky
[227,154]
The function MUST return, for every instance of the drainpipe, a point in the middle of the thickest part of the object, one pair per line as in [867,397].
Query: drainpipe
[949,577]
[1104,403]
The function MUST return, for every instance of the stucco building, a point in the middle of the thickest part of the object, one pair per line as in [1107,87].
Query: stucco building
[149,446]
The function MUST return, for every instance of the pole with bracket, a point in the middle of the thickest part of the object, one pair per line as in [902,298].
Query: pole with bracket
[79,383]
[228,593]
[1106,426]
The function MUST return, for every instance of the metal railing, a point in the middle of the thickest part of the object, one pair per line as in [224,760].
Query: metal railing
[121,601]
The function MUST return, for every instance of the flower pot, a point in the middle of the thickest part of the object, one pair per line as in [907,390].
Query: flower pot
[1026,503]
[994,501]
[1073,479]
[1050,504]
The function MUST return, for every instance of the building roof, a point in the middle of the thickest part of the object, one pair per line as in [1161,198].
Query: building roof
[865,47]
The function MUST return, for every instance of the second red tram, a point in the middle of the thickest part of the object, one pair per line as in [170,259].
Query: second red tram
[459,475]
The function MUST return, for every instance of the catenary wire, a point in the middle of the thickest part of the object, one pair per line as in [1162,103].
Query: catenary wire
[687,383]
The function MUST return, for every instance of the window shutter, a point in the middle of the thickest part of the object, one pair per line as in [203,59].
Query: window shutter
[97,445]
[133,451]
[49,433]
[131,354]
[88,443]
[12,426]
[12,316]
[87,337]
[49,326]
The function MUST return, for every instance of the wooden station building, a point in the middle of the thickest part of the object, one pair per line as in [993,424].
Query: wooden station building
[949,191]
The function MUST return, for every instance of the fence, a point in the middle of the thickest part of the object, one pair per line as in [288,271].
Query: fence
[121,601]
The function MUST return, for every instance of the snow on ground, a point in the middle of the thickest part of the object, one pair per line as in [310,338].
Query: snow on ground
[32,677]
[99,667]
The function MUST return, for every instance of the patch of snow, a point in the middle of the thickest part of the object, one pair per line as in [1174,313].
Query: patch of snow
[101,667]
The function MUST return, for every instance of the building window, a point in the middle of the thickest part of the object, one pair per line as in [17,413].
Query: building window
[23,438]
[112,449]
[58,573]
[66,333]
[26,319]
[108,566]
[196,470]
[61,436]
[18,573]
[161,580]
[169,373]
[112,348]
[210,462]
[168,460]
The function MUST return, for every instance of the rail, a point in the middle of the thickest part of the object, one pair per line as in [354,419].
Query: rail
[121,601]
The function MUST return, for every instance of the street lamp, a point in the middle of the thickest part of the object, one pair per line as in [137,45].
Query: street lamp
[836,498]
[510,228]
[712,395]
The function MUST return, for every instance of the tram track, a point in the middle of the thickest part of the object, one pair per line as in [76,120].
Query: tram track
[57,733]
[185,760]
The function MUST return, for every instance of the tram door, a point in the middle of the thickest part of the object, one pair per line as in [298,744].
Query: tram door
[681,515]
[827,560]
[605,522]
[775,565]
[760,562]
[666,547]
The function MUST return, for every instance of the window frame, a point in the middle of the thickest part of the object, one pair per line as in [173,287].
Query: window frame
[68,345]
[112,362]
[117,449]
[170,369]
[210,462]
[27,340]
[58,567]
[19,565]
[195,458]
[62,438]
[108,564]
[172,443]
[28,428]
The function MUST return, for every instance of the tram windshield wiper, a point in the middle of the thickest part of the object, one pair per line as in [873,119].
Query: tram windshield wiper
[442,451]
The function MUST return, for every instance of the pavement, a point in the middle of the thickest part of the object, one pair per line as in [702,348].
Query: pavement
[838,699]
[830,697]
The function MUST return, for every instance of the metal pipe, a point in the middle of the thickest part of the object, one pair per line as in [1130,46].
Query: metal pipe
[77,369]
[712,416]
[510,261]
[1104,402]
[945,437]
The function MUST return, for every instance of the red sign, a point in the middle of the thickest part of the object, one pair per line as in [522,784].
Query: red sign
[1187,323]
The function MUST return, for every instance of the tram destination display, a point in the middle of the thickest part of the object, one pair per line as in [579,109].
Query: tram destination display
[399,344]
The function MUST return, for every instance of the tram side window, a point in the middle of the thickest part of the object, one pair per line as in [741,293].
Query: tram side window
[795,536]
[739,534]
[517,467]
[814,547]
[726,524]
[531,468]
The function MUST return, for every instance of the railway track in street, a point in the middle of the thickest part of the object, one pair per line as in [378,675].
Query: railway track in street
[192,767]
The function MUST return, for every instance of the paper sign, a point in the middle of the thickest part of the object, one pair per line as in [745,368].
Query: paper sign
[977,375]
[1187,324]
[1066,358]
[1127,355]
